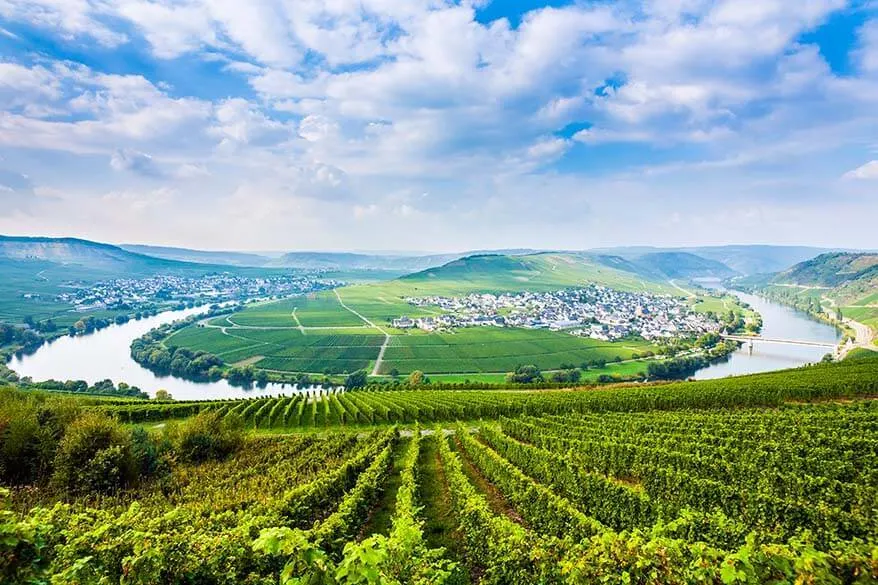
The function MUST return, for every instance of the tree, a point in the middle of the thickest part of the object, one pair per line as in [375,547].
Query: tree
[163,395]
[525,375]
[357,379]
[416,378]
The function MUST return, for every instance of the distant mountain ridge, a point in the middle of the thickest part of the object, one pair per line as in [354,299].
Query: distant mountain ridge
[653,263]
[743,259]
[313,260]
[685,265]
[198,256]
[101,258]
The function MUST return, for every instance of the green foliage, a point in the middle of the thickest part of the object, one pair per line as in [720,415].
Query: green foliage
[31,426]
[717,482]
[94,456]
[207,436]
[525,375]
[355,380]
[22,546]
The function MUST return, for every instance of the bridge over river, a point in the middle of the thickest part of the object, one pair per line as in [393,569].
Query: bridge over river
[759,338]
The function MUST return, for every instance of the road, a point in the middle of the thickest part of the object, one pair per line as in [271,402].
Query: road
[370,324]
[863,337]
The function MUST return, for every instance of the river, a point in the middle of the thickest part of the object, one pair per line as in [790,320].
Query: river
[778,322]
[105,354]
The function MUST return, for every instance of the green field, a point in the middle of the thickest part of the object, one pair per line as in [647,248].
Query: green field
[467,351]
[288,350]
[313,310]
[871,299]
[488,349]
[42,281]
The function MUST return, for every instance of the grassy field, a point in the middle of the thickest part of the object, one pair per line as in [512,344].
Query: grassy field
[467,351]
[628,368]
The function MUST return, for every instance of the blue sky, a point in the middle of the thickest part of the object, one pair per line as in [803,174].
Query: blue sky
[437,125]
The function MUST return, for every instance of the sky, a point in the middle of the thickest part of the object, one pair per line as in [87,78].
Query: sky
[440,125]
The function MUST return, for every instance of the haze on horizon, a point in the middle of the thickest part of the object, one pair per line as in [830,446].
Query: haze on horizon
[438,125]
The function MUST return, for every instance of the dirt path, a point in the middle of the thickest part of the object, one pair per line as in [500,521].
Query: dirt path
[498,502]
[296,319]
[384,345]
[688,293]
[380,519]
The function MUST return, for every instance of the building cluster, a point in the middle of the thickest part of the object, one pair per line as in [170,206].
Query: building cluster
[121,293]
[592,311]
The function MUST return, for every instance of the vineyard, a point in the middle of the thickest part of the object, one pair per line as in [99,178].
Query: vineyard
[763,479]
[321,408]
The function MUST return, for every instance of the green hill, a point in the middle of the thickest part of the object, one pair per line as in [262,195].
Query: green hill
[832,270]
[846,282]
[534,272]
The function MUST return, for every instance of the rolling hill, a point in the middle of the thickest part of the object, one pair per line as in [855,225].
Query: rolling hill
[354,261]
[846,282]
[832,270]
[541,271]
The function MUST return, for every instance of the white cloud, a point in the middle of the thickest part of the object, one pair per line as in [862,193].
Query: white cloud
[350,103]
[135,162]
[240,122]
[72,19]
[315,127]
[171,29]
[868,171]
[191,171]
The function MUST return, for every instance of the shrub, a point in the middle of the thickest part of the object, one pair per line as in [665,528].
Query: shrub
[207,436]
[148,455]
[94,456]
[31,426]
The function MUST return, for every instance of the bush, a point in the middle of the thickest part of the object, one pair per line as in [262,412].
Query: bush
[147,455]
[94,456]
[525,375]
[207,436]
[31,426]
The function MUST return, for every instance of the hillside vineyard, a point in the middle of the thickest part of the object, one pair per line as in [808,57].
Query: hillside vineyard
[762,479]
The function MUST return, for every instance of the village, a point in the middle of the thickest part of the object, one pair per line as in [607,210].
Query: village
[122,293]
[593,311]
